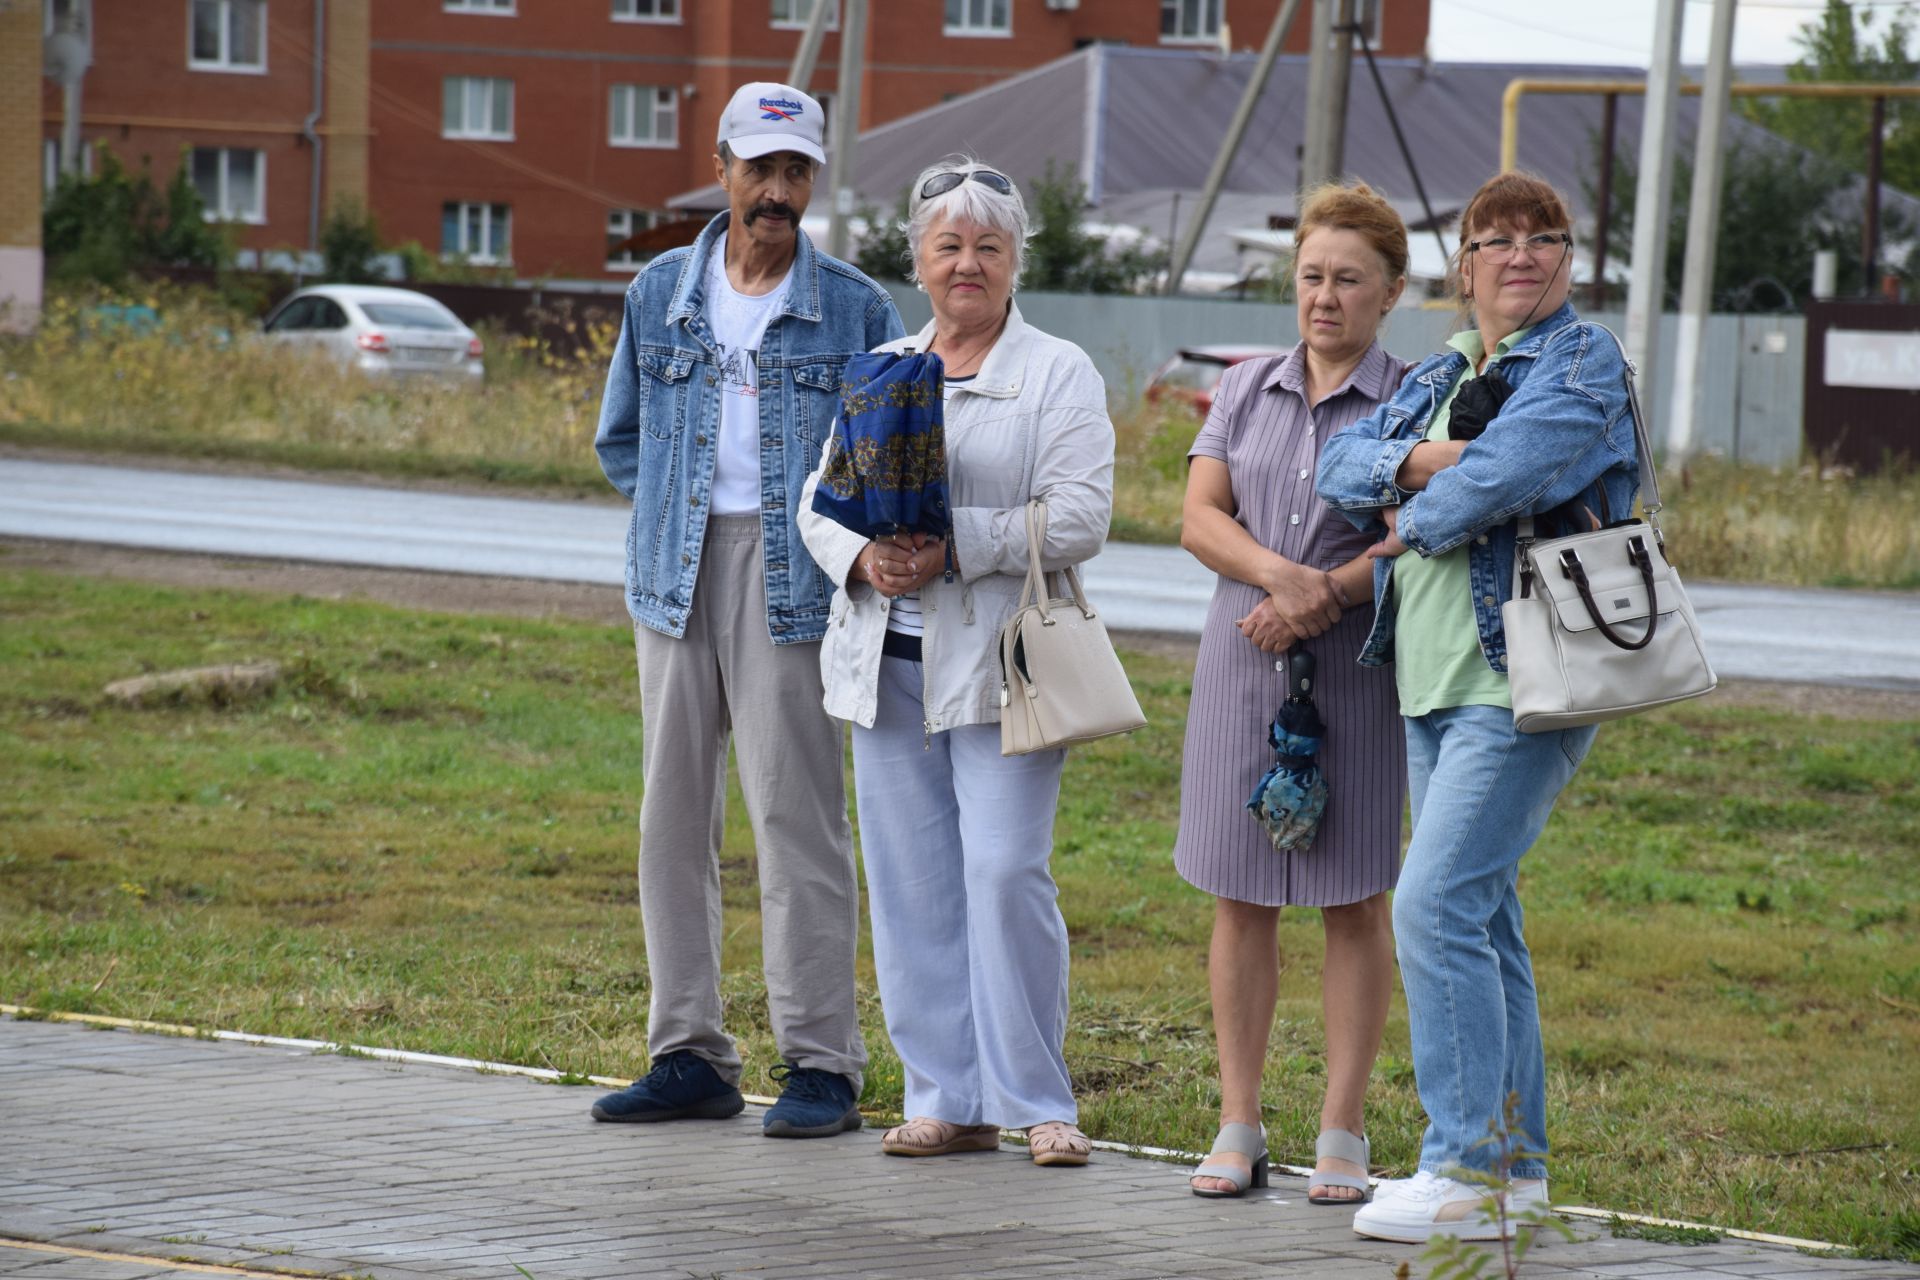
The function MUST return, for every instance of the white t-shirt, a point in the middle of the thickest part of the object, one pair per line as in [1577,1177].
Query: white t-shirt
[738,321]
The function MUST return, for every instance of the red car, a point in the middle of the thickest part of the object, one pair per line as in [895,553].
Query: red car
[1190,377]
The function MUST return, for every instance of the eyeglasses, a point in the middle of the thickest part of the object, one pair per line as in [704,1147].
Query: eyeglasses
[941,183]
[1499,250]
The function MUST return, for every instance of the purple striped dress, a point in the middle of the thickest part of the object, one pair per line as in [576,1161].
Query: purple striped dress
[1263,429]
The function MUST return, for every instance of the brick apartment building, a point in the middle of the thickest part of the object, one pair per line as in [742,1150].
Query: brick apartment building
[541,132]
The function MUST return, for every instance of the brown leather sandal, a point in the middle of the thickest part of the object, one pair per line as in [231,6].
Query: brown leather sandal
[1058,1142]
[925,1136]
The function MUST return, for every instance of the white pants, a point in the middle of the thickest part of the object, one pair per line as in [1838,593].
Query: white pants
[968,941]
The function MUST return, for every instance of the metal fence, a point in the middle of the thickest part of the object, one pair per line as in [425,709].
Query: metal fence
[1752,366]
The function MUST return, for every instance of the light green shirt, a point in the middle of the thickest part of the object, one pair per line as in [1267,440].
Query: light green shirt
[1436,640]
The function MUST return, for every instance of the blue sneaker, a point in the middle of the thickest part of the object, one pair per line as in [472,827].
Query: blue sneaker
[813,1104]
[681,1086]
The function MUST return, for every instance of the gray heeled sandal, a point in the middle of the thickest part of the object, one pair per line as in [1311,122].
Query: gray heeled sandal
[1239,1139]
[1338,1144]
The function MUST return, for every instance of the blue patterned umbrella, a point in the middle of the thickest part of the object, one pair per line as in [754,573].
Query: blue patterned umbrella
[886,470]
[1290,797]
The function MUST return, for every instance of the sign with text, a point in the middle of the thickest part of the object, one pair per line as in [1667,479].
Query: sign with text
[1884,360]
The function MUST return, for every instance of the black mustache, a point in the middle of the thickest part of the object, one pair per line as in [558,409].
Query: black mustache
[771,208]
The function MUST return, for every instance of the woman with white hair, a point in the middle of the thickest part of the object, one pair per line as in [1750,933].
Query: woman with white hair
[968,941]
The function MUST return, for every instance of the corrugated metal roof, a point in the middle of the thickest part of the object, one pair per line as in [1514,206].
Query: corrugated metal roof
[1139,126]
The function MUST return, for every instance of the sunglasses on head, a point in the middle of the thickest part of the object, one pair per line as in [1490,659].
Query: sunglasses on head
[941,183]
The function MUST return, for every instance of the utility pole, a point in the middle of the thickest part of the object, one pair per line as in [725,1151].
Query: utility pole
[1703,227]
[846,125]
[808,53]
[1329,72]
[1229,145]
[1646,292]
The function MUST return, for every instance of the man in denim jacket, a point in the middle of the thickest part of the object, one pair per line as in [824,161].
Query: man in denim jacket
[723,386]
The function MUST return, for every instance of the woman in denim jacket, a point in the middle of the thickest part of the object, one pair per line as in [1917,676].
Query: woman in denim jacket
[1526,414]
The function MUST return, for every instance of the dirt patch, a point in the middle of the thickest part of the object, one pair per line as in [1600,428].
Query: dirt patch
[473,593]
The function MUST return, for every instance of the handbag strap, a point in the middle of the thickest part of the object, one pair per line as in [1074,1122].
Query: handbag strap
[1036,588]
[1643,451]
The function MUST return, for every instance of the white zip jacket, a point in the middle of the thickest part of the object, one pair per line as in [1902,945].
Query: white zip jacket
[1032,424]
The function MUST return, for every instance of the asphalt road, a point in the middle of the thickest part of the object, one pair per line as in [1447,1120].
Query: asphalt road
[1867,639]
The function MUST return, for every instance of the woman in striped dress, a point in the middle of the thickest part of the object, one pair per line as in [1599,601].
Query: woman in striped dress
[1294,575]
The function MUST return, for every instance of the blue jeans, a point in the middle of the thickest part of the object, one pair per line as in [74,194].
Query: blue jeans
[1481,795]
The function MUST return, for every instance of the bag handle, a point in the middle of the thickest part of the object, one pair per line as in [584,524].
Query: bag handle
[1036,588]
[1637,553]
[1649,478]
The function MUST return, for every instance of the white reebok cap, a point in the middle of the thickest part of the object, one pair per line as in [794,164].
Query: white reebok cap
[763,117]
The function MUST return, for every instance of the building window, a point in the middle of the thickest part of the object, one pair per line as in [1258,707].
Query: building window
[1367,14]
[477,232]
[232,183]
[622,226]
[979,17]
[797,13]
[476,107]
[826,120]
[478,6]
[639,115]
[646,10]
[50,165]
[1190,21]
[227,35]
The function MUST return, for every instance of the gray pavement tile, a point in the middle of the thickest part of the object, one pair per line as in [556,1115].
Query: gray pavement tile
[429,1172]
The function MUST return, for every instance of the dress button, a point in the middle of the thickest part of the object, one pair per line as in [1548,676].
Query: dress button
[1294,518]
[1303,473]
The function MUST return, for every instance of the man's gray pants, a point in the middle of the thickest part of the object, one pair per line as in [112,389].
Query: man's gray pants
[724,672]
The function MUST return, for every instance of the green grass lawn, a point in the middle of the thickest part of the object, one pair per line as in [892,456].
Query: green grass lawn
[425,839]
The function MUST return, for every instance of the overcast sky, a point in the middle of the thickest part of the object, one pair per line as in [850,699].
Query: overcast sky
[1616,31]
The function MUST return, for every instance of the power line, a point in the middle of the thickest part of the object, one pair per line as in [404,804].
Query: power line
[1509,21]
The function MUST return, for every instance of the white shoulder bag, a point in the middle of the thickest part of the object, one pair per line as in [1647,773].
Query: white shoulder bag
[1599,626]
[1061,683]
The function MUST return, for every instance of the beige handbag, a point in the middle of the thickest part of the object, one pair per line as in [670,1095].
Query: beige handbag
[1599,626]
[1060,680]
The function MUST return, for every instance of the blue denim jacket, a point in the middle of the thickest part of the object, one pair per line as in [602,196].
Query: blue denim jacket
[660,425]
[1566,429]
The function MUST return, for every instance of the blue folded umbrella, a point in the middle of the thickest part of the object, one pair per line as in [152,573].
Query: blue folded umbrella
[886,469]
[1291,796]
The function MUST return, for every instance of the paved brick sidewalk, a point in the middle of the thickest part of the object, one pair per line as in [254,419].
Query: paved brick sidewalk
[178,1149]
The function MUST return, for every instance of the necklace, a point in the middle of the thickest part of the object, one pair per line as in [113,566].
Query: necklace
[973,359]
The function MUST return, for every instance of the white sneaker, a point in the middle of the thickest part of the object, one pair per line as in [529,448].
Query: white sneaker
[1415,1210]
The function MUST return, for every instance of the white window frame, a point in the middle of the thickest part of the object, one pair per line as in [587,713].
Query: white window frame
[630,93]
[465,253]
[800,24]
[1200,7]
[1368,13]
[464,127]
[657,17]
[50,164]
[487,8]
[626,223]
[216,209]
[225,62]
[972,24]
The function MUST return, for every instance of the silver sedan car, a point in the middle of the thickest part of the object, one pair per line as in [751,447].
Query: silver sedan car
[382,332]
